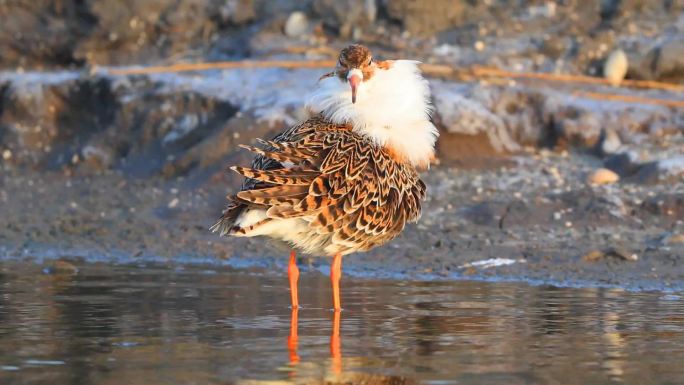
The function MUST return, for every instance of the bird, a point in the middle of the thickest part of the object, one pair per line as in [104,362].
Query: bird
[346,179]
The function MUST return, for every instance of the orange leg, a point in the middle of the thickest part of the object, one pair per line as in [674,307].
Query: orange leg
[335,275]
[293,338]
[335,350]
[293,275]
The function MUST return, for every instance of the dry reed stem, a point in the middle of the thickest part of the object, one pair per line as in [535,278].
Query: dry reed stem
[185,67]
[475,72]
[630,99]
[478,71]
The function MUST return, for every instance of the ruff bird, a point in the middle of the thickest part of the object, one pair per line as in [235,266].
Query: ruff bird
[346,179]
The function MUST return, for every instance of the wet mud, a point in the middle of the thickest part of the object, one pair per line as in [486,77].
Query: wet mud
[522,219]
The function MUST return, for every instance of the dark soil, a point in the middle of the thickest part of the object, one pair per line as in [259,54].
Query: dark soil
[521,211]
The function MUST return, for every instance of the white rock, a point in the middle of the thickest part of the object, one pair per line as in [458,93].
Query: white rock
[611,142]
[615,67]
[297,24]
[173,203]
[461,115]
[492,262]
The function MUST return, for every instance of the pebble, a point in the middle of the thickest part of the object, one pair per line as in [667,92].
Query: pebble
[174,202]
[593,256]
[7,155]
[611,142]
[603,176]
[622,253]
[297,24]
[615,67]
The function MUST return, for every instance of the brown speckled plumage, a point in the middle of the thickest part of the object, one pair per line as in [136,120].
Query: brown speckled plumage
[353,193]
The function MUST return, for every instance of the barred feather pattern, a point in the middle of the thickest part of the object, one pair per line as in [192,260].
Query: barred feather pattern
[349,193]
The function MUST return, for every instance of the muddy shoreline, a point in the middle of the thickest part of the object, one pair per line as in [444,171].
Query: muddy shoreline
[51,219]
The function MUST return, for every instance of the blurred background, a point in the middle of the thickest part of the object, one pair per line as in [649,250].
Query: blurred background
[552,36]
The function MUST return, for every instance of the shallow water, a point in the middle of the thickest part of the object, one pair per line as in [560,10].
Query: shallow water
[159,325]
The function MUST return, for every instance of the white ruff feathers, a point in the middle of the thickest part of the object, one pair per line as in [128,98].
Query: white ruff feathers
[393,108]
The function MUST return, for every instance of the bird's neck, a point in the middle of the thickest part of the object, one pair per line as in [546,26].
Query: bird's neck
[392,108]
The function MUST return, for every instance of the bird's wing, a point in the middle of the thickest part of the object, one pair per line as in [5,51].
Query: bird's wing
[235,207]
[343,183]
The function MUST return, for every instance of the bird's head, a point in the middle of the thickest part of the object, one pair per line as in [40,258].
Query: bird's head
[355,65]
[393,107]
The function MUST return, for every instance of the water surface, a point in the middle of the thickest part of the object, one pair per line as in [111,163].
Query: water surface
[174,325]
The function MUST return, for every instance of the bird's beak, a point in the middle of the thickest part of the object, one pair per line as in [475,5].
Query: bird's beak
[354,79]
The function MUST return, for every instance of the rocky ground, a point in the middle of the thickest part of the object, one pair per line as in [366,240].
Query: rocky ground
[542,181]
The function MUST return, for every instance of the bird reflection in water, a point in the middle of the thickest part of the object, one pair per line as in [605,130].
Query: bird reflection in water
[335,346]
[335,349]
[293,338]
